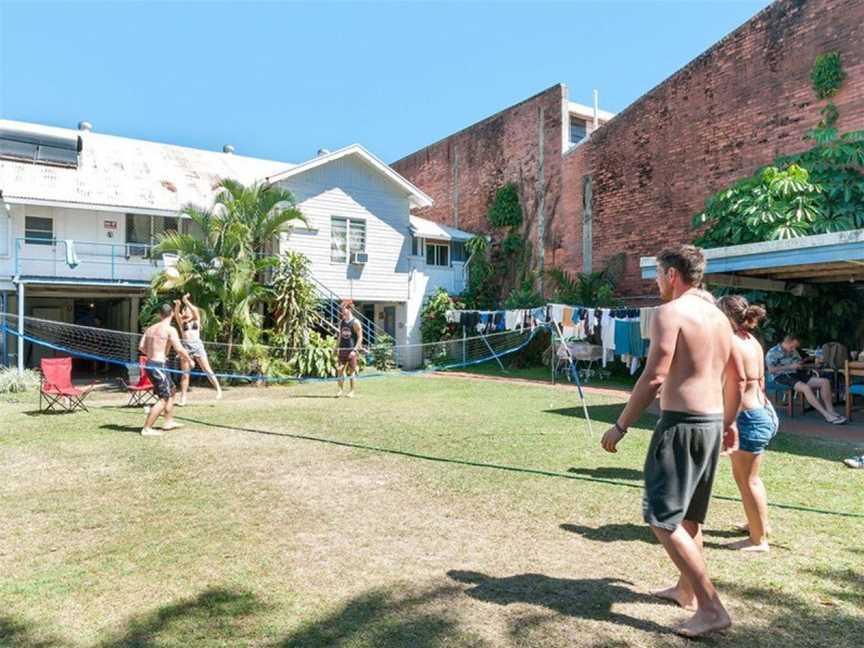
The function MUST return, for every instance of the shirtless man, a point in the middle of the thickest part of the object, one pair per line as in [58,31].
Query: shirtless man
[690,358]
[154,344]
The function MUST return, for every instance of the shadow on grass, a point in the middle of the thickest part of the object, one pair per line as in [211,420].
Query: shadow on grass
[803,446]
[583,598]
[481,464]
[794,621]
[114,427]
[613,532]
[382,619]
[608,473]
[14,632]
[849,584]
[214,615]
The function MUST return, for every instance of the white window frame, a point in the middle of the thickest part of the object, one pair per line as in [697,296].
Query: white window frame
[570,129]
[352,225]
[419,243]
[437,254]
[31,240]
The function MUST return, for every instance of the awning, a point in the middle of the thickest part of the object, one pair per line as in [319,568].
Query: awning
[422,228]
[781,265]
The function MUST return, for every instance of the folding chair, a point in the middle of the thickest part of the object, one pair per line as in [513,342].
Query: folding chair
[141,393]
[57,389]
[854,387]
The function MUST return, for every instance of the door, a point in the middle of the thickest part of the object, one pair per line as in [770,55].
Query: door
[390,321]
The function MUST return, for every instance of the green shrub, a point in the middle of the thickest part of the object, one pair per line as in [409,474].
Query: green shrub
[316,358]
[433,324]
[827,74]
[506,210]
[12,383]
[383,352]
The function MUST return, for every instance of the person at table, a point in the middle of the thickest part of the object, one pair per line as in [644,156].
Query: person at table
[785,364]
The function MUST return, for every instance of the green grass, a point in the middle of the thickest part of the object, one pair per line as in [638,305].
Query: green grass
[426,512]
[618,380]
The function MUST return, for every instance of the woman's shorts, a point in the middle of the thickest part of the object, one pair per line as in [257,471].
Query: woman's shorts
[195,348]
[756,428]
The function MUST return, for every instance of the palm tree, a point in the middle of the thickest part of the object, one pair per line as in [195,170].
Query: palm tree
[222,263]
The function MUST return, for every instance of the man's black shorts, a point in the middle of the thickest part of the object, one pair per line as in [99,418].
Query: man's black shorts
[789,379]
[161,379]
[679,469]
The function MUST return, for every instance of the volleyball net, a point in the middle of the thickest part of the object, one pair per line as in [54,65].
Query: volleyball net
[254,362]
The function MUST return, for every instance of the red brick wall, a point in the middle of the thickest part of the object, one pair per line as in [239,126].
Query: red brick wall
[500,149]
[731,110]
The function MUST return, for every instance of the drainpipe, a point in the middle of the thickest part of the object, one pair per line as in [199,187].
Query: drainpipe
[20,327]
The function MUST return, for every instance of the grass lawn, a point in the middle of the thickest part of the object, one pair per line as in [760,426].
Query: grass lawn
[426,512]
[542,374]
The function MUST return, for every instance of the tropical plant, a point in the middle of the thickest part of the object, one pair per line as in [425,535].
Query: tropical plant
[383,352]
[827,74]
[294,302]
[433,323]
[525,295]
[223,264]
[773,204]
[595,289]
[316,358]
[481,292]
[506,210]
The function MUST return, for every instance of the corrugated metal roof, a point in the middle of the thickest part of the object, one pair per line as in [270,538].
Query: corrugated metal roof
[128,174]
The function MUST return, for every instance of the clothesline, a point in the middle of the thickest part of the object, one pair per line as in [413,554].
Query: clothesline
[620,332]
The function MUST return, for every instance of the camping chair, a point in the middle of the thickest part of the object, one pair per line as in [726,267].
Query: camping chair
[141,393]
[853,389]
[57,389]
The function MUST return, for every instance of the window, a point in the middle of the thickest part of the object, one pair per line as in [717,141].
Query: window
[347,235]
[578,130]
[458,251]
[143,231]
[38,231]
[416,246]
[438,254]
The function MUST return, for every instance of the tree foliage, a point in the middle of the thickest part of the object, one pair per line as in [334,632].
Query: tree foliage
[596,289]
[827,74]
[506,209]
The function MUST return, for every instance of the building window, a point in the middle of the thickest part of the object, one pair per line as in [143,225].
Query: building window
[457,250]
[347,236]
[416,246]
[578,130]
[142,231]
[39,231]
[437,254]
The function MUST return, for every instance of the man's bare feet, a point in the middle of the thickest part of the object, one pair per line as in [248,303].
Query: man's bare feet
[750,546]
[705,620]
[676,596]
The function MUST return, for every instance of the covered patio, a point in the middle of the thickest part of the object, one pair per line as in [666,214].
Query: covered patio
[797,267]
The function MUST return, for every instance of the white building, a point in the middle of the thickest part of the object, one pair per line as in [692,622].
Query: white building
[80,210]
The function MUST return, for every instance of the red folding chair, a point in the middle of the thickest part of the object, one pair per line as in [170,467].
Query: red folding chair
[57,389]
[141,393]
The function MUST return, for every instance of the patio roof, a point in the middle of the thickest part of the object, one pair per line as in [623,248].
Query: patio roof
[782,265]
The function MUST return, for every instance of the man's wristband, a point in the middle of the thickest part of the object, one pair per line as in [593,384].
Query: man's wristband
[622,431]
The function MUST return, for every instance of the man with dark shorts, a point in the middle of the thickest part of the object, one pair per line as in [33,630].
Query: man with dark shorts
[690,357]
[787,367]
[348,348]
[154,345]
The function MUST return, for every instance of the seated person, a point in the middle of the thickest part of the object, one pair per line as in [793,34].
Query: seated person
[788,368]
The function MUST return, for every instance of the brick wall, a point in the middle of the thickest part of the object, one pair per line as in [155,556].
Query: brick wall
[463,171]
[729,111]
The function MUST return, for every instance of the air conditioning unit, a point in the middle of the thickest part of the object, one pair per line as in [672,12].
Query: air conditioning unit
[359,258]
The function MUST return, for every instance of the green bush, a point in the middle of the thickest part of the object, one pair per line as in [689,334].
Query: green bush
[12,383]
[506,210]
[827,74]
[383,352]
[316,358]
[433,324]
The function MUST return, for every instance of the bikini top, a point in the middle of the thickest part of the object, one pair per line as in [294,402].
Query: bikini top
[191,325]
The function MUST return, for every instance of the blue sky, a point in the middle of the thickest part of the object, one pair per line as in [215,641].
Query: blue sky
[283,79]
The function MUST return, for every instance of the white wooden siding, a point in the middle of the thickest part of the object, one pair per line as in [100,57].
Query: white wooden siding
[349,188]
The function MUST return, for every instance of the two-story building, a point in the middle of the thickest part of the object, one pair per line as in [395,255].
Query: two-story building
[80,212]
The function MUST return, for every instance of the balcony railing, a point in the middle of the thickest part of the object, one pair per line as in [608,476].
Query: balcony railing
[84,260]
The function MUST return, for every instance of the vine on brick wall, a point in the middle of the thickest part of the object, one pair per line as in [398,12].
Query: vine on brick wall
[827,74]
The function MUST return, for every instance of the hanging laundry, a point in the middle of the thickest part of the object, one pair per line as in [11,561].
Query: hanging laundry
[622,337]
[646,317]
[607,334]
